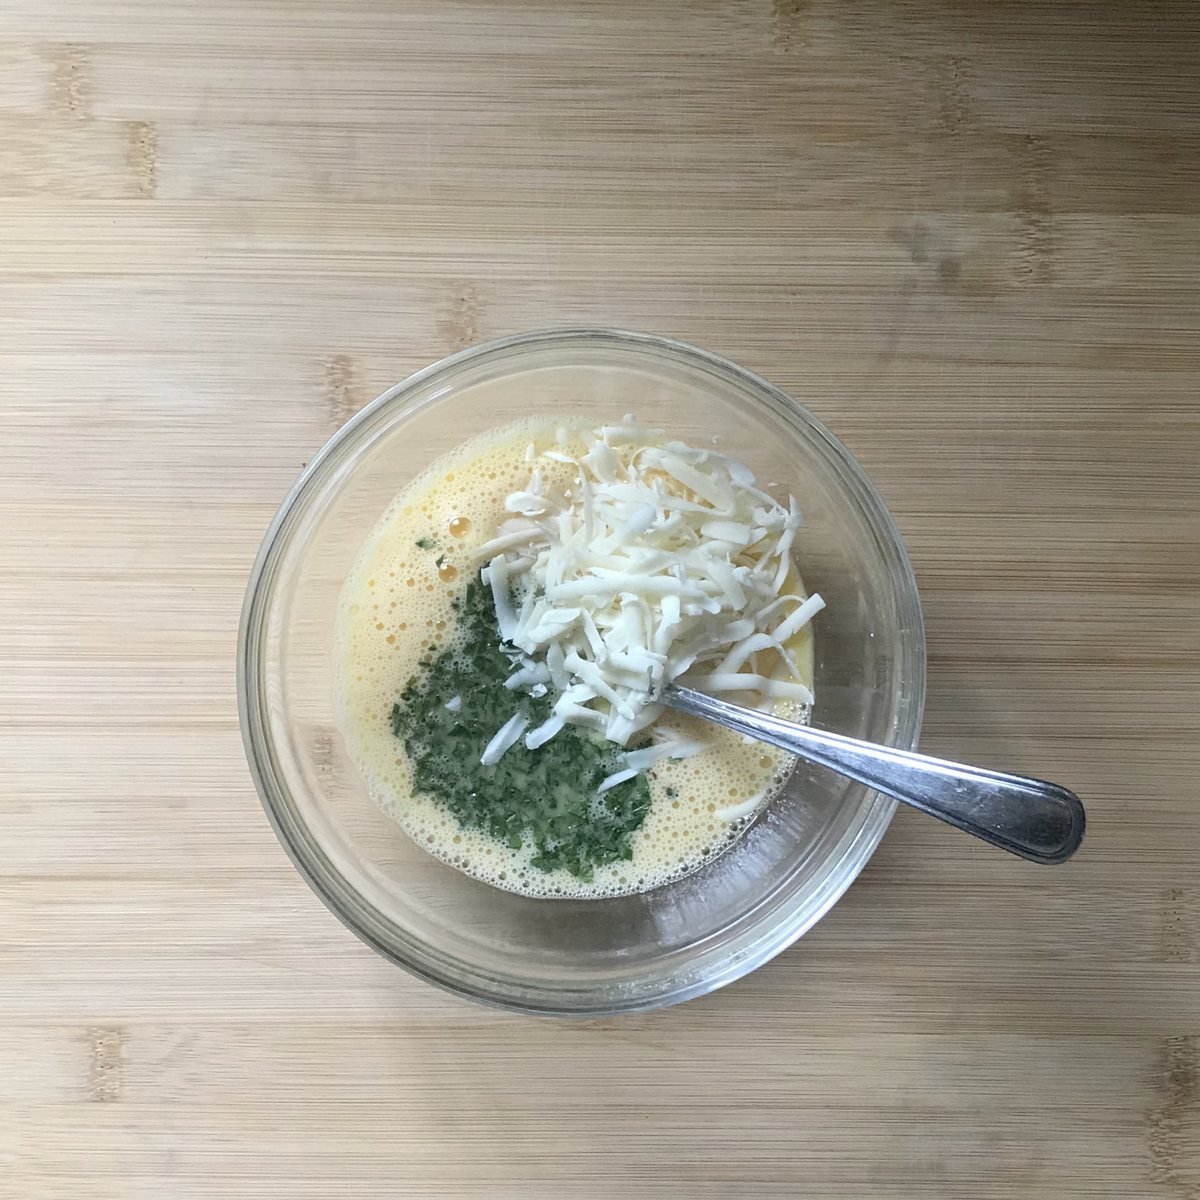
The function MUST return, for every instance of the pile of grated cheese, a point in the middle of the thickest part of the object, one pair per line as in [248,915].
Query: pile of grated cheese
[658,563]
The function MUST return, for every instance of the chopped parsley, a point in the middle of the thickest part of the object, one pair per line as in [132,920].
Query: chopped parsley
[547,796]
[426,543]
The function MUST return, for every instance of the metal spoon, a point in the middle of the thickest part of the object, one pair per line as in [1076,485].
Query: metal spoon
[1037,820]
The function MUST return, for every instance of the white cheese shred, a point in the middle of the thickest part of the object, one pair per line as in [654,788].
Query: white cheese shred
[611,781]
[506,737]
[540,735]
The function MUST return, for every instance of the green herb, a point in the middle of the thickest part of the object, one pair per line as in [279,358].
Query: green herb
[547,796]
[437,562]
[426,543]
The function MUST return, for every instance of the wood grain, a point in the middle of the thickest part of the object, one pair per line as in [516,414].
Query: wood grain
[967,237]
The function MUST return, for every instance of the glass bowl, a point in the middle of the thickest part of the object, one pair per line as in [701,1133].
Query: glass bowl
[578,956]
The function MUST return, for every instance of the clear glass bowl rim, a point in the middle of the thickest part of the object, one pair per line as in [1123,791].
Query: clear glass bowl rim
[336,892]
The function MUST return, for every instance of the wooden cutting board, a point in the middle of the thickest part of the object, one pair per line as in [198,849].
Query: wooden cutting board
[967,237]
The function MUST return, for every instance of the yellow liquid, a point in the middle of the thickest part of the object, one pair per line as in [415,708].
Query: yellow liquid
[396,605]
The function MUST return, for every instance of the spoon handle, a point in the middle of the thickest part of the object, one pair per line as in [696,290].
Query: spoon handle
[1031,818]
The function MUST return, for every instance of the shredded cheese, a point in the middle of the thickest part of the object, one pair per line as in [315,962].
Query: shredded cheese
[660,562]
[505,739]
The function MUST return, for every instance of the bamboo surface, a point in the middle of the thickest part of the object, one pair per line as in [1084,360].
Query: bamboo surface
[966,236]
